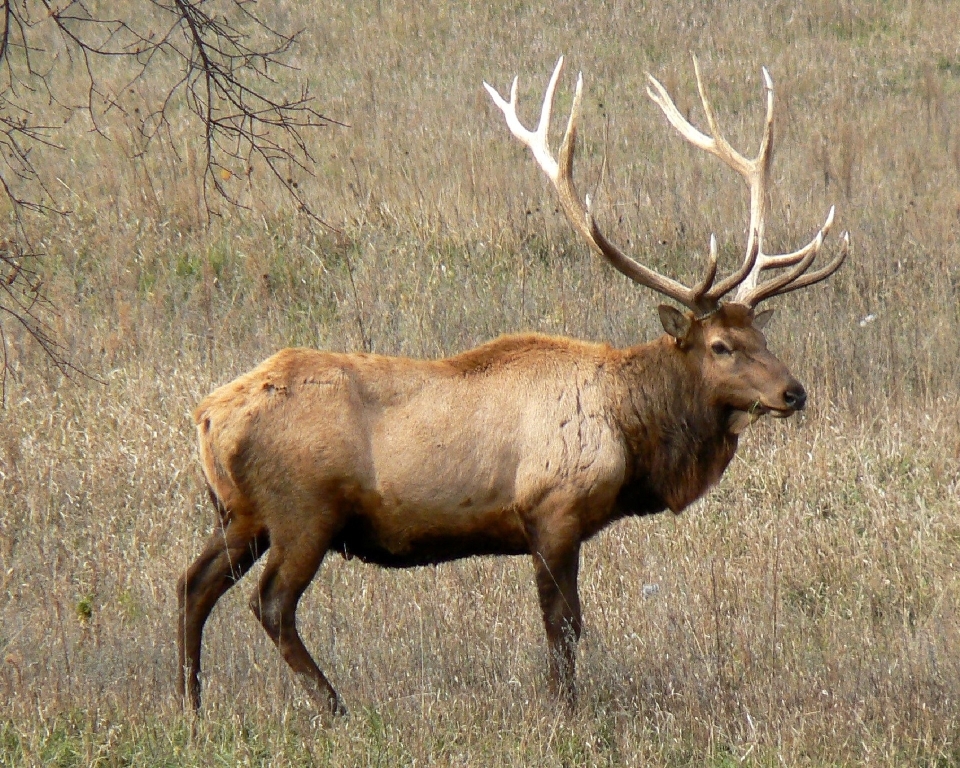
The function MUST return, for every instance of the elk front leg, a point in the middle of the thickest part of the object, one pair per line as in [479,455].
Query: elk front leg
[557,588]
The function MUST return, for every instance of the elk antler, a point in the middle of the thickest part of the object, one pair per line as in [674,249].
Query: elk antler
[704,297]
[755,172]
[701,299]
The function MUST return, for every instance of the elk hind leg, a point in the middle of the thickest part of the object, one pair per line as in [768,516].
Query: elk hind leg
[229,553]
[290,568]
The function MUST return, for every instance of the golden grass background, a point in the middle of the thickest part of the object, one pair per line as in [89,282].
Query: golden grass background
[804,613]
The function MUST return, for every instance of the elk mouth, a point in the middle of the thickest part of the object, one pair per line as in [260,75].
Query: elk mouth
[758,409]
[782,413]
[739,419]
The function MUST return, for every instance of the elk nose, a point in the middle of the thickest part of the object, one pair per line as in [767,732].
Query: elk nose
[795,397]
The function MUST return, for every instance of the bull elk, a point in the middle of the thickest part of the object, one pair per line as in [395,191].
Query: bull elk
[527,445]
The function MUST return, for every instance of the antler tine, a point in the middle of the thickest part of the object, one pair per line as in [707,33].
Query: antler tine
[576,210]
[536,140]
[703,287]
[789,259]
[772,287]
[825,271]
[765,262]
[796,278]
[721,147]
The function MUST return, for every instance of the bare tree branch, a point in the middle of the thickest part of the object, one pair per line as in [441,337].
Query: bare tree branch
[24,303]
[227,60]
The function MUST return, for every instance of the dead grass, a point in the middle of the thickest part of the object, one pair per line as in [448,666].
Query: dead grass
[805,613]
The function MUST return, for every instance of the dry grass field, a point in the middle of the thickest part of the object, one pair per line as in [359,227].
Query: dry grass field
[805,613]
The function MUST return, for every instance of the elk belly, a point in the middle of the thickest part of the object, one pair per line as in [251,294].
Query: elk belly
[402,537]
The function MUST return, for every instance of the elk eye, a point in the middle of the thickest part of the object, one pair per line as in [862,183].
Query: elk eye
[719,348]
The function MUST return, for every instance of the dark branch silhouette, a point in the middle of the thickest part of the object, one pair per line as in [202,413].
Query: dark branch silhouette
[226,60]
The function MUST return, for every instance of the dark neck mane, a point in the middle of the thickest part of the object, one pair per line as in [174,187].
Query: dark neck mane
[678,443]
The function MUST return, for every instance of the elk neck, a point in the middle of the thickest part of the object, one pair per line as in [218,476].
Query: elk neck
[677,439]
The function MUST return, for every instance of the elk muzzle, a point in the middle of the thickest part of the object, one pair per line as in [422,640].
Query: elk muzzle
[794,399]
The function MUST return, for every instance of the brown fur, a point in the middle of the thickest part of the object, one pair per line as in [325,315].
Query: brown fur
[526,445]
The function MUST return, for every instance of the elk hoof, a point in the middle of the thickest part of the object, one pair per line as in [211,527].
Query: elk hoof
[338,708]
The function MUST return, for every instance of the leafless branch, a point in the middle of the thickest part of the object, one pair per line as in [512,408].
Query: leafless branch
[24,303]
[227,60]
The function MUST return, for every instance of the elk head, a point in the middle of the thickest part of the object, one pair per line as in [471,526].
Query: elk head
[722,337]
[729,353]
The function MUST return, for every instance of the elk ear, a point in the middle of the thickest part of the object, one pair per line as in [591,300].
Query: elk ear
[674,322]
[761,319]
